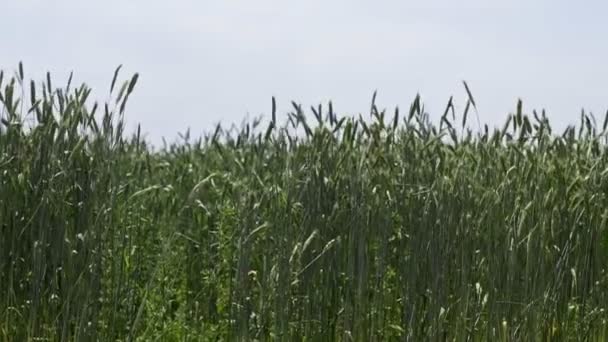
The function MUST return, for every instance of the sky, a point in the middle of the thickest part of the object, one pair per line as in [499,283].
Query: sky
[203,62]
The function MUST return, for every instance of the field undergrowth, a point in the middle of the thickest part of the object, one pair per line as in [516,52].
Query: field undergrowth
[319,227]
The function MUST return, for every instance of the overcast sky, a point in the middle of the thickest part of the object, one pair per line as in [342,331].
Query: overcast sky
[201,62]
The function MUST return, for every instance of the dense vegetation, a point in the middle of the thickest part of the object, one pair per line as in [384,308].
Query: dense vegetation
[336,228]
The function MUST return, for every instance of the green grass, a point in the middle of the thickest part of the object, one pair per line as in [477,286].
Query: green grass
[335,228]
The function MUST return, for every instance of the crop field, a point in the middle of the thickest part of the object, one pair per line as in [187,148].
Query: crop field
[307,226]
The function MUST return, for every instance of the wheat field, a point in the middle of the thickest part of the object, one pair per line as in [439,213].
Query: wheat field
[316,227]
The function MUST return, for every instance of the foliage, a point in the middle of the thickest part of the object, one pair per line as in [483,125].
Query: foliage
[386,228]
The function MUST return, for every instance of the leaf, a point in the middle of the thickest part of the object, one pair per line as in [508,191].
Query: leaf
[449,106]
[132,83]
[466,112]
[396,118]
[21,74]
[414,108]
[114,78]
[373,106]
[67,88]
[32,92]
[274,111]
[466,87]
[48,82]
